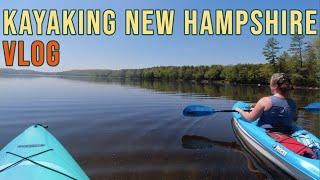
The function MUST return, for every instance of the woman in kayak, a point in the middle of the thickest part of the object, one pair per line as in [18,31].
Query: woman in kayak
[276,111]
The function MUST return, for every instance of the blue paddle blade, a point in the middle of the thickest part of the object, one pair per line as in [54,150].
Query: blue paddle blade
[313,107]
[198,110]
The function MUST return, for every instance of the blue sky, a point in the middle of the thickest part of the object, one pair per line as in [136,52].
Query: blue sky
[120,51]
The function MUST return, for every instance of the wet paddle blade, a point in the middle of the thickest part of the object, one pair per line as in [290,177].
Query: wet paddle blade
[313,107]
[198,110]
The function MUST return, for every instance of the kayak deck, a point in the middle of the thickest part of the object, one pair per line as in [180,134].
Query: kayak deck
[36,154]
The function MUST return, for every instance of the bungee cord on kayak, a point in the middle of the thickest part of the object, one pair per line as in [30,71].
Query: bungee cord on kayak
[41,165]
[35,141]
[20,161]
[28,159]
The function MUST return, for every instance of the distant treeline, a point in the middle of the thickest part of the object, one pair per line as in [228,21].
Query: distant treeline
[302,63]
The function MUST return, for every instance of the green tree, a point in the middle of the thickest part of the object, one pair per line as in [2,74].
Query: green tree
[296,47]
[310,57]
[214,73]
[310,54]
[282,62]
[316,46]
[271,50]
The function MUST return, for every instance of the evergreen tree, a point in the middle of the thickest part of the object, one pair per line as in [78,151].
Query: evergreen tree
[310,54]
[296,47]
[271,50]
[282,62]
[316,46]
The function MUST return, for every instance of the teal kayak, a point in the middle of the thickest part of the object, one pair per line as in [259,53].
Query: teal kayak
[36,154]
[263,145]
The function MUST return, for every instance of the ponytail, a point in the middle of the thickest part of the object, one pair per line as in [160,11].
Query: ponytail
[282,82]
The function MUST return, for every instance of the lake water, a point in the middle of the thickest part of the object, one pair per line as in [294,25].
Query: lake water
[133,130]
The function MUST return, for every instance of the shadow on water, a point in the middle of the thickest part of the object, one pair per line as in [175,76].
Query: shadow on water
[200,142]
[119,129]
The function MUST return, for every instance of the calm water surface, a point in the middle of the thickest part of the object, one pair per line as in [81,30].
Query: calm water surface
[133,130]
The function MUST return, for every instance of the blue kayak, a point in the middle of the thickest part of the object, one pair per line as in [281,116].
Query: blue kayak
[261,144]
[36,154]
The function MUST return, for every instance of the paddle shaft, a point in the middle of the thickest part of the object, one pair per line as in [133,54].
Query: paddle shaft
[231,111]
[200,110]
[300,108]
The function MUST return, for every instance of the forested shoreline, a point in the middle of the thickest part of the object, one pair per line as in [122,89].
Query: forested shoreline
[301,61]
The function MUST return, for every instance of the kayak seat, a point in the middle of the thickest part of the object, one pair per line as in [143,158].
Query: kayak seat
[292,144]
[283,130]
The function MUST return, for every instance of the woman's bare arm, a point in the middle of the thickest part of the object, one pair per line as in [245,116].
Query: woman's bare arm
[256,111]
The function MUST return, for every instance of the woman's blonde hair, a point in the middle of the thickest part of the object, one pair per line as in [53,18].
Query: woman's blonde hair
[282,82]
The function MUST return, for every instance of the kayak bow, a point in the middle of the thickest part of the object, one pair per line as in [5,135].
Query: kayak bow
[36,154]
